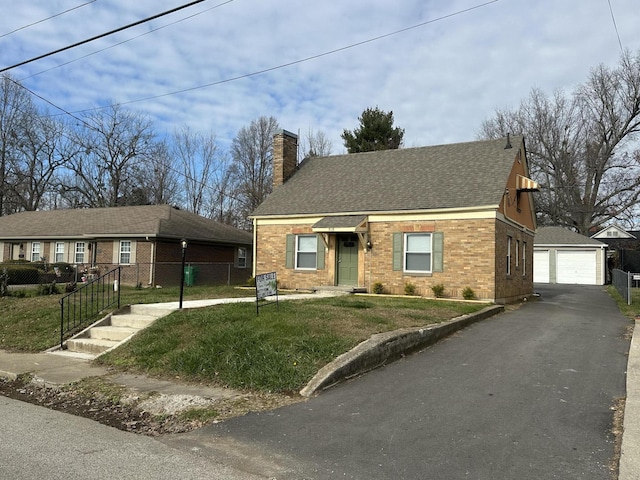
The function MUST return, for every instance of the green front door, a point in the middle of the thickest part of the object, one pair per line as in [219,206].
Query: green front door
[347,259]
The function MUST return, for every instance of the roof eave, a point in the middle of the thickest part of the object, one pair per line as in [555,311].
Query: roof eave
[479,208]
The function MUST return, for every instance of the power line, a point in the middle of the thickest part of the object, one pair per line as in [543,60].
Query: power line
[45,19]
[296,62]
[120,29]
[615,26]
[45,100]
[128,40]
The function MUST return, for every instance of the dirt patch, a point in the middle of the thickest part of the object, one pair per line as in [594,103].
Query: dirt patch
[617,430]
[151,414]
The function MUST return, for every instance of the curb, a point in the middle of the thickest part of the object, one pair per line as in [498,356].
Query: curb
[383,348]
[629,465]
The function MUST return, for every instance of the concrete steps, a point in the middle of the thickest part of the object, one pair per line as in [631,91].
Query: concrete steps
[114,329]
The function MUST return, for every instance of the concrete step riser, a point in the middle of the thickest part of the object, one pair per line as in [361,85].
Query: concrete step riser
[131,321]
[87,345]
[117,334]
[149,310]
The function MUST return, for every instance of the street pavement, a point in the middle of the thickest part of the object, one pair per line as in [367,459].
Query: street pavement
[39,443]
[526,394]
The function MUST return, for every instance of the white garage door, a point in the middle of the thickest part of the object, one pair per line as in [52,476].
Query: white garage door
[541,266]
[576,267]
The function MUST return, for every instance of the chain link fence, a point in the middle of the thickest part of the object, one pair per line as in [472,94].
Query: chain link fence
[622,281]
[24,274]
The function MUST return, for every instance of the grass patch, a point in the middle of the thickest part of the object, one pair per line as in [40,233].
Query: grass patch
[31,323]
[627,310]
[279,350]
[199,415]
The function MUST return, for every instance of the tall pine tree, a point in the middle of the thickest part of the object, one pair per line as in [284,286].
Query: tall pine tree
[376,132]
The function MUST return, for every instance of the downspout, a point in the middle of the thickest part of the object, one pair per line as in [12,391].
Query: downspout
[254,248]
[152,261]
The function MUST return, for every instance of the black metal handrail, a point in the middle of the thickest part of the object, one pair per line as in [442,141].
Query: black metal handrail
[87,301]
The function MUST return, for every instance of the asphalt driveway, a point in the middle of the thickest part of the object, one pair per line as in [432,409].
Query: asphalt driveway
[526,394]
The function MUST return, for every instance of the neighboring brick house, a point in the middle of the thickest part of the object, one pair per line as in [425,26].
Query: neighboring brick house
[458,215]
[144,240]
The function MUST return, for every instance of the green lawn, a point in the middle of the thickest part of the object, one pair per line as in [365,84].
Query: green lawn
[31,323]
[630,311]
[278,351]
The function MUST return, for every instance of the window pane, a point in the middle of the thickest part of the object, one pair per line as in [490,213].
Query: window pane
[417,257]
[419,243]
[306,253]
[35,251]
[80,252]
[418,262]
[125,251]
[307,243]
[306,260]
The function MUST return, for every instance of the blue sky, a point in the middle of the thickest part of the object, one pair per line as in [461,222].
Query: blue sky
[441,79]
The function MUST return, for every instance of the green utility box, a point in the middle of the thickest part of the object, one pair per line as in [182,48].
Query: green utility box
[189,275]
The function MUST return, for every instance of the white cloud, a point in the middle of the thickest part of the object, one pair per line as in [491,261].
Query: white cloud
[441,80]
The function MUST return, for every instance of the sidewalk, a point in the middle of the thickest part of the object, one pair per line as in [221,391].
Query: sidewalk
[630,457]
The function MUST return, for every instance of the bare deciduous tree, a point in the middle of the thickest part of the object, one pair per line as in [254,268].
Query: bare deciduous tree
[162,180]
[199,156]
[112,147]
[17,113]
[316,144]
[252,169]
[43,150]
[582,148]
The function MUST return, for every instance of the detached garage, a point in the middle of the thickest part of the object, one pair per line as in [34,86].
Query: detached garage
[563,256]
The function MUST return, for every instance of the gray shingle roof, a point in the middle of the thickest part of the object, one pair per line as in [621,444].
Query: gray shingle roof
[562,236]
[161,221]
[445,176]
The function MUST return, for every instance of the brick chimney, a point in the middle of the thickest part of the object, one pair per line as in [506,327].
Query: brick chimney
[285,156]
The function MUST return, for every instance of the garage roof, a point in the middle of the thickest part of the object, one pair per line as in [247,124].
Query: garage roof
[563,236]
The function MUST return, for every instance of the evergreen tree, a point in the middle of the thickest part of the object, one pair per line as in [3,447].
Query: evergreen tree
[376,132]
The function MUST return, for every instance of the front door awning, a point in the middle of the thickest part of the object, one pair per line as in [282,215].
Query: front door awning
[342,224]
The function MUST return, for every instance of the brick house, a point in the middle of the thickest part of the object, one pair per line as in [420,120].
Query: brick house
[457,215]
[143,240]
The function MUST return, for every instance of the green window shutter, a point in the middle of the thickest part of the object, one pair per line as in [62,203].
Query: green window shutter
[320,253]
[291,251]
[437,248]
[397,251]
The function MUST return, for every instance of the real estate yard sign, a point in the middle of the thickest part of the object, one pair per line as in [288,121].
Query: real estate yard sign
[266,286]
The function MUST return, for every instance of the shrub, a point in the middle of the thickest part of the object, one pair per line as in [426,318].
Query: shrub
[409,289]
[468,294]
[378,288]
[48,289]
[22,275]
[438,290]
[251,282]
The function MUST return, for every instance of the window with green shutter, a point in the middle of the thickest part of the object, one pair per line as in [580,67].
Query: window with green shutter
[418,252]
[304,252]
